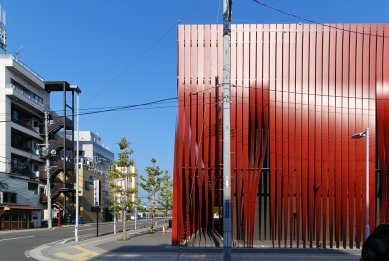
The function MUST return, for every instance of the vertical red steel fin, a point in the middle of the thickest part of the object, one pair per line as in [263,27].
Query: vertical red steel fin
[193,124]
[251,135]
[200,121]
[305,134]
[285,128]
[266,98]
[382,117]
[372,125]
[187,220]
[245,104]
[331,134]
[177,175]
[372,121]
[273,155]
[258,127]
[207,126]
[381,128]
[338,133]
[279,127]
[352,130]
[365,113]
[345,134]
[214,105]
[291,130]
[325,134]
[359,127]
[299,123]
[383,32]
[262,109]
[311,131]
[318,187]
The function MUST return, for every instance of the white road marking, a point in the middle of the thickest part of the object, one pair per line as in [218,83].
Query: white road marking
[86,229]
[14,238]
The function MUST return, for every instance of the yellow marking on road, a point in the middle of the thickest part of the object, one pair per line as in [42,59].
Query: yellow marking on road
[85,254]
[105,239]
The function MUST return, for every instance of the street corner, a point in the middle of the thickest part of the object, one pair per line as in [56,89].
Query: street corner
[75,253]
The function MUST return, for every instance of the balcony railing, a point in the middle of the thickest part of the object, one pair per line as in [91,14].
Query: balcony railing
[27,68]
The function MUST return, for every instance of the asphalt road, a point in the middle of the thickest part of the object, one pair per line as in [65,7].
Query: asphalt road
[14,244]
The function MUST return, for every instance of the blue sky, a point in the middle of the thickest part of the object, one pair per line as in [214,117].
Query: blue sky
[123,52]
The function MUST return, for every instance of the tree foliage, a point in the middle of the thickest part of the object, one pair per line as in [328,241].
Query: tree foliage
[165,195]
[151,184]
[119,179]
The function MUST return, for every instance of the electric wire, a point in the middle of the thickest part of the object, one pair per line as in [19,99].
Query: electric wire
[145,52]
[313,21]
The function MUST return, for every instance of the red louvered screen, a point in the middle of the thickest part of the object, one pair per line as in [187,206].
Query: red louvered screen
[298,94]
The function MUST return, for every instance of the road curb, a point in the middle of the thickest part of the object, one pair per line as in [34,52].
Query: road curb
[42,252]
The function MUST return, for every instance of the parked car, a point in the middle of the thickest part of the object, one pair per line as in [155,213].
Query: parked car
[376,247]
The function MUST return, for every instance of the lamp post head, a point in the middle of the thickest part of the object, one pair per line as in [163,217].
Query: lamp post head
[358,135]
[75,88]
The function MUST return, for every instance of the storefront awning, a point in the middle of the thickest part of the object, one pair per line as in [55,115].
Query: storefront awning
[20,207]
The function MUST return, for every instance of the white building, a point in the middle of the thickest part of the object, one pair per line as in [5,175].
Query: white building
[23,101]
[96,159]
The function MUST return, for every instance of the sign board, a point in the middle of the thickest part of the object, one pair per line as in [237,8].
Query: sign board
[95,209]
[96,193]
[227,209]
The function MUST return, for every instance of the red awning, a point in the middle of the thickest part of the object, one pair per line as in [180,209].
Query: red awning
[20,207]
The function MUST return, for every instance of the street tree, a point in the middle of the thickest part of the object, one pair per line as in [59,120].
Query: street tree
[165,195]
[119,177]
[151,184]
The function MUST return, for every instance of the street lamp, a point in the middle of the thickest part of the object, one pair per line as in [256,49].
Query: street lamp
[359,136]
[76,89]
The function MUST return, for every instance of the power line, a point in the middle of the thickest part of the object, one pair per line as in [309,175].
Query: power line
[313,21]
[146,51]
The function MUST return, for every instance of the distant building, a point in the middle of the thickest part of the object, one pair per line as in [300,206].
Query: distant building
[95,162]
[132,184]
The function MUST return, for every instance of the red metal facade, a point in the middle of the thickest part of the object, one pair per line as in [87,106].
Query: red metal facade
[298,94]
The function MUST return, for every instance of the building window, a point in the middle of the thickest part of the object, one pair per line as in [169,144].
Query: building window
[33,187]
[26,92]
[21,165]
[9,197]
[24,118]
[86,185]
[7,217]
[15,116]
[21,141]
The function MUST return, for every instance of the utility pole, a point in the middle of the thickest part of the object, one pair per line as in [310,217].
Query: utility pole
[48,189]
[227,6]
[77,172]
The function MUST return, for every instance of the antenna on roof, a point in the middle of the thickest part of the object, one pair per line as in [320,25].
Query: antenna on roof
[18,52]
[3,32]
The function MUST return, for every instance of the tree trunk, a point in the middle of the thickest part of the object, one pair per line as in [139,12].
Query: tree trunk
[114,223]
[124,219]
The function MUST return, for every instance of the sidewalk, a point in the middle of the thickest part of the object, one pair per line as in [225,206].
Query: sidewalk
[144,246]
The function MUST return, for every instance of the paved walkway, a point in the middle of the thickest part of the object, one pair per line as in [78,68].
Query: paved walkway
[144,246]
